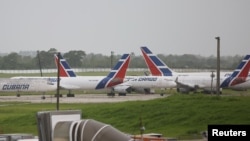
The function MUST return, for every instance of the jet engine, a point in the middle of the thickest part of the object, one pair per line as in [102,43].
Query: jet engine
[123,89]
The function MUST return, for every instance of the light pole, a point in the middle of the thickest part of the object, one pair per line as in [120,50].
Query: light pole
[58,81]
[39,62]
[218,66]
[111,59]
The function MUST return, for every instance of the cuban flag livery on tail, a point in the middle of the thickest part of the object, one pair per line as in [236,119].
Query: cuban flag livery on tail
[117,74]
[157,66]
[239,75]
[65,69]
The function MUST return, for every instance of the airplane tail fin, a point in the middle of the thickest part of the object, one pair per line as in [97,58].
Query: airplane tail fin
[65,69]
[117,74]
[239,75]
[156,66]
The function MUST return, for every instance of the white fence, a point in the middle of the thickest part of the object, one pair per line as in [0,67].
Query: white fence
[99,70]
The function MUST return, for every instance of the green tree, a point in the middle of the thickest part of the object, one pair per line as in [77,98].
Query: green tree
[27,63]
[11,61]
[46,58]
[75,58]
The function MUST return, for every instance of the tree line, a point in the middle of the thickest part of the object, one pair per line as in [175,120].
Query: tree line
[79,59]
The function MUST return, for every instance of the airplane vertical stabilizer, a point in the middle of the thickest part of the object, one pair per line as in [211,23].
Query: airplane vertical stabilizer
[155,64]
[117,74]
[65,69]
[239,75]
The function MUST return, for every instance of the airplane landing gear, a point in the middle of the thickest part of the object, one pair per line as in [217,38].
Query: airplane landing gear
[43,96]
[70,94]
[112,94]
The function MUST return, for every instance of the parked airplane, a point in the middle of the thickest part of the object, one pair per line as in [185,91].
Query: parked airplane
[34,83]
[131,83]
[192,81]
[116,76]
[236,79]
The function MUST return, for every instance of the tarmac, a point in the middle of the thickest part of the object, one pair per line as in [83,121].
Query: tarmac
[81,98]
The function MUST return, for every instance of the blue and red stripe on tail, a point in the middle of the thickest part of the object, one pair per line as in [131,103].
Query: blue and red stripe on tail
[65,69]
[156,66]
[117,74]
[239,75]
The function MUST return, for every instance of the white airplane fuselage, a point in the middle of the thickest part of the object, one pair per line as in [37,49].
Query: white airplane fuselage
[150,81]
[83,82]
[69,83]
[26,84]
[96,82]
[206,81]
[199,81]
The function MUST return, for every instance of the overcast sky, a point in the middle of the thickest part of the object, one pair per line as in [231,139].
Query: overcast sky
[123,26]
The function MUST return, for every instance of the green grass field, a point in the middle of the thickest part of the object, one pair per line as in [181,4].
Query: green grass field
[180,116]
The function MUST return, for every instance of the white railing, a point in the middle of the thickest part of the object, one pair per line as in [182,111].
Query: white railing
[100,70]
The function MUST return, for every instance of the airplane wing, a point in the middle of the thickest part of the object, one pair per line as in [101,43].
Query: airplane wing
[186,86]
